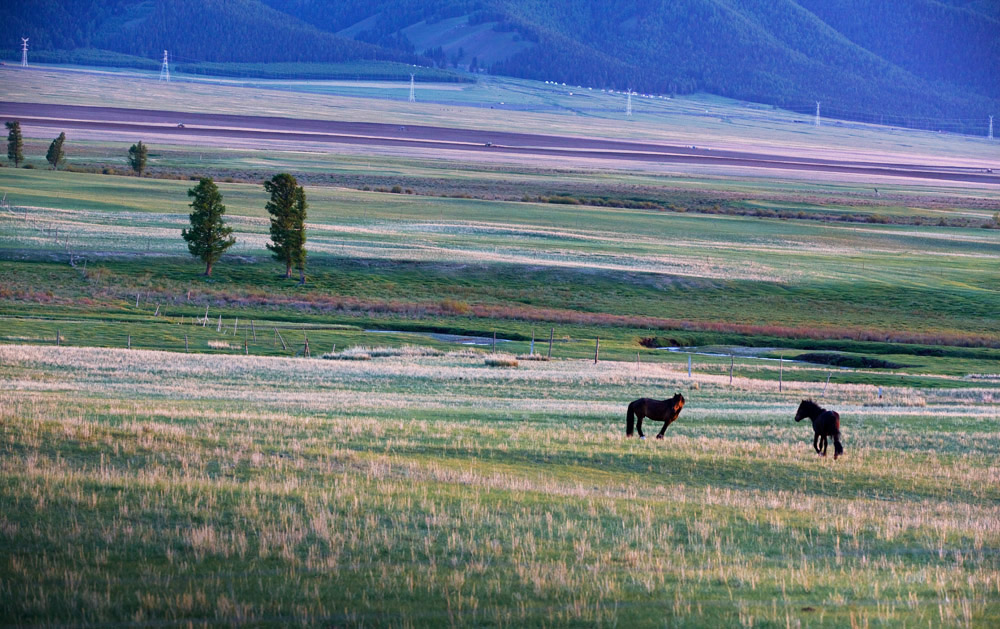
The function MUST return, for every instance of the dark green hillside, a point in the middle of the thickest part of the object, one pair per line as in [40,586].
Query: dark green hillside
[775,52]
[956,41]
[919,63]
[193,31]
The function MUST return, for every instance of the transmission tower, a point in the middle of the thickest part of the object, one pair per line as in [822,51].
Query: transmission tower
[413,94]
[24,52]
[817,113]
[990,136]
[628,104]
[165,68]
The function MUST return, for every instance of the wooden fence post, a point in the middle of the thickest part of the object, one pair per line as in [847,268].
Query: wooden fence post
[689,365]
[731,361]
[781,372]
[128,343]
[186,343]
[494,341]
[551,332]
[532,351]
[278,334]
[254,330]
[305,350]
[829,373]
[58,340]
[597,349]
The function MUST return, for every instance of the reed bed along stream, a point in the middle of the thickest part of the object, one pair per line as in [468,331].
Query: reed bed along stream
[430,490]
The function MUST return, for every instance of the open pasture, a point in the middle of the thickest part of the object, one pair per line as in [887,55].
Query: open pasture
[433,490]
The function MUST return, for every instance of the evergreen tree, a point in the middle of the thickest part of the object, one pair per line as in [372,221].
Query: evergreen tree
[137,157]
[15,143]
[55,155]
[209,236]
[287,208]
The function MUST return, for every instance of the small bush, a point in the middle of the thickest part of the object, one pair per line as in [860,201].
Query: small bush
[541,357]
[841,360]
[501,361]
[29,166]
[454,306]
[396,189]
[367,353]
[347,355]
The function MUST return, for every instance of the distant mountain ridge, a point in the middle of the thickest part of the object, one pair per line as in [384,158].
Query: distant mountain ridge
[914,59]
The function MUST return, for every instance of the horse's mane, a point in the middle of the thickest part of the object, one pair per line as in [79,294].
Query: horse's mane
[810,407]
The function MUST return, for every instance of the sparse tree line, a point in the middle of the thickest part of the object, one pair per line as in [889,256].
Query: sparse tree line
[56,154]
[209,237]
[15,146]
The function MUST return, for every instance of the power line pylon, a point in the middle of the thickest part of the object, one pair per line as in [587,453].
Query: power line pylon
[24,52]
[165,68]
[413,94]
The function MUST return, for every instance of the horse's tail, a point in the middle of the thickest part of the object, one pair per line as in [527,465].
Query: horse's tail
[630,420]
[838,448]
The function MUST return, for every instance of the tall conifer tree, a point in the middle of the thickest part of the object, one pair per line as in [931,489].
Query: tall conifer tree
[15,143]
[209,236]
[287,208]
[55,154]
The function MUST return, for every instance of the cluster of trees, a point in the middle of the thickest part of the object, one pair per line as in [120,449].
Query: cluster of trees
[55,156]
[209,236]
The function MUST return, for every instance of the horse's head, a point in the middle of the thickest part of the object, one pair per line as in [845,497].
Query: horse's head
[678,402]
[806,409]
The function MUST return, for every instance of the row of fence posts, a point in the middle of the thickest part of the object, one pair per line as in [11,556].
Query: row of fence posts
[306,351]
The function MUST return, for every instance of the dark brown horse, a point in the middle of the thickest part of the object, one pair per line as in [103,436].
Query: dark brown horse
[825,424]
[665,411]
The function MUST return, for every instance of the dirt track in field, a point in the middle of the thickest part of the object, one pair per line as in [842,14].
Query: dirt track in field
[206,128]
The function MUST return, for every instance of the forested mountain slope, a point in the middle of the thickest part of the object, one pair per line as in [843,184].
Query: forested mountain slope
[911,59]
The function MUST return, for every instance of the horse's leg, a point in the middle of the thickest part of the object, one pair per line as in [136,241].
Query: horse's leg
[816,442]
[638,425]
[823,444]
[663,430]
[838,448]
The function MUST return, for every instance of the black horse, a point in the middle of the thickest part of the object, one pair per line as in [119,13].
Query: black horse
[825,424]
[665,411]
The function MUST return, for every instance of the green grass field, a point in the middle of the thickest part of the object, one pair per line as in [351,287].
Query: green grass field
[170,456]
[427,491]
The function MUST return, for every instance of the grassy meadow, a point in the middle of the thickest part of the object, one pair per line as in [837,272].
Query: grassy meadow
[432,490]
[169,454]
